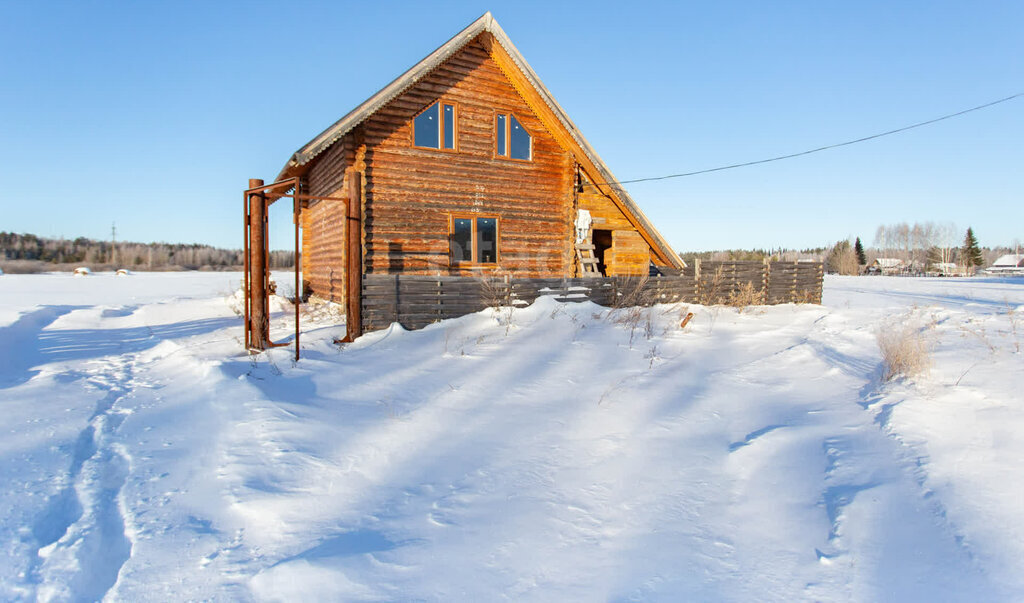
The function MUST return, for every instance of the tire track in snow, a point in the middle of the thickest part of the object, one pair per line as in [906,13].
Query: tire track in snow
[81,537]
[874,488]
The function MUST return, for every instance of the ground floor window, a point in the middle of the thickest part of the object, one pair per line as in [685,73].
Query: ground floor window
[474,239]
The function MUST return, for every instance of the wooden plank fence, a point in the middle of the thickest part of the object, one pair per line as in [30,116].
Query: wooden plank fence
[415,301]
[757,282]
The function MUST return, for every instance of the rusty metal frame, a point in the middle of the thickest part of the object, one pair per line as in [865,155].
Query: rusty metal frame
[292,184]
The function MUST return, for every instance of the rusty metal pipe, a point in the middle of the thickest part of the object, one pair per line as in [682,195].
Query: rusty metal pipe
[313,197]
[260,188]
[295,218]
[257,199]
[245,273]
[354,259]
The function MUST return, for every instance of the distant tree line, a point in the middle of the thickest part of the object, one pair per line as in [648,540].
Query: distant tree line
[920,247]
[739,255]
[133,256]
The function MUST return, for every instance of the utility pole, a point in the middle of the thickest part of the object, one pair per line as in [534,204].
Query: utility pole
[113,243]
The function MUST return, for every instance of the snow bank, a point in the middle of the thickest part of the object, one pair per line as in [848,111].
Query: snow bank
[557,451]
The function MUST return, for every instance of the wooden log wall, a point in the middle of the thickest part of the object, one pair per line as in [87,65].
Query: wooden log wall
[323,224]
[415,301]
[629,254]
[412,192]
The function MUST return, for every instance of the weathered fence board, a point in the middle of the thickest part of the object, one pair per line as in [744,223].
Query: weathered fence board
[416,301]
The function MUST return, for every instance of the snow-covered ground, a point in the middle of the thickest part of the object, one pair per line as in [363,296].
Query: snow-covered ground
[555,452]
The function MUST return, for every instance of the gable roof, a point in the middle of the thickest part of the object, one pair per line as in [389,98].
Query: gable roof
[488,24]
[1012,260]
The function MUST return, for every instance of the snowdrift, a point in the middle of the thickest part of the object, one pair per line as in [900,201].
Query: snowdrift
[553,452]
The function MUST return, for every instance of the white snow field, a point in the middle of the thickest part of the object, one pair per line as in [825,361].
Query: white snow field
[560,452]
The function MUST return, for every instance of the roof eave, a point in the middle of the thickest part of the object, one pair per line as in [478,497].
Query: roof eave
[397,86]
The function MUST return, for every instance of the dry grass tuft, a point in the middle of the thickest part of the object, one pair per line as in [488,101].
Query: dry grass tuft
[745,296]
[904,351]
[634,317]
[496,293]
[1013,317]
[709,289]
[631,306]
[808,296]
[631,292]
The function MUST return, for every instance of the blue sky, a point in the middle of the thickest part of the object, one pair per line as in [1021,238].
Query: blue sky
[155,115]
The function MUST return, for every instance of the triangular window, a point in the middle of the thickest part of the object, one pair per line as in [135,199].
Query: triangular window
[435,127]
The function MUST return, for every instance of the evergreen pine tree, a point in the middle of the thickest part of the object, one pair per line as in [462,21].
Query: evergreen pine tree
[859,249]
[971,252]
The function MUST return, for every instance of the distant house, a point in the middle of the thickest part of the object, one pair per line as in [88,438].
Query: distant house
[886,266]
[1011,263]
[946,269]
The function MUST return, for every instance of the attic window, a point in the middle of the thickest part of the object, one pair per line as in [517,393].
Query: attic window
[434,128]
[511,138]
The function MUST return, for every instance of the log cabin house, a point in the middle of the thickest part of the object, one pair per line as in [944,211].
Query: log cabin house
[464,166]
[468,166]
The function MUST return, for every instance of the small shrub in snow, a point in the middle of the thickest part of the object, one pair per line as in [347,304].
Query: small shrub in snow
[904,351]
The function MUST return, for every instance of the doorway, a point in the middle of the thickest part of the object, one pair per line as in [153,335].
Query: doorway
[602,243]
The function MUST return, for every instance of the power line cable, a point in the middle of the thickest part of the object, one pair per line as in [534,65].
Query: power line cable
[819,149]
